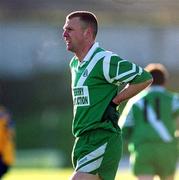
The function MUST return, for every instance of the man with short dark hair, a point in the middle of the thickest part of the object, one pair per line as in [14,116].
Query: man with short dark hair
[98,78]
[150,128]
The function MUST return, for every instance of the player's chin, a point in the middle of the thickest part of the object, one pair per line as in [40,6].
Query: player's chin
[69,48]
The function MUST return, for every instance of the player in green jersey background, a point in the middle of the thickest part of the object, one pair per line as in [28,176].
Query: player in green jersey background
[98,80]
[151,126]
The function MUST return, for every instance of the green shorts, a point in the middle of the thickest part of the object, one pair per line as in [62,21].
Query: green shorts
[98,152]
[154,159]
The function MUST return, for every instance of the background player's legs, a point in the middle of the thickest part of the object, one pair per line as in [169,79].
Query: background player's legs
[3,168]
[145,177]
[84,176]
[171,177]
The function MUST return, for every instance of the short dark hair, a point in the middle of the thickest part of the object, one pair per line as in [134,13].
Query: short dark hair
[87,17]
[159,73]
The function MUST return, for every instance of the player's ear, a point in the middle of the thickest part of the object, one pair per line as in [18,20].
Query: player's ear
[88,32]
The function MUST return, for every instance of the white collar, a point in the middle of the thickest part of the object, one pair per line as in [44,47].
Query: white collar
[90,53]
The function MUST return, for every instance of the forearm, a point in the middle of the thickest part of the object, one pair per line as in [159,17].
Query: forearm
[130,91]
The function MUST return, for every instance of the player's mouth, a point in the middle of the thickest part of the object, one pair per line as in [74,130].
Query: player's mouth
[67,42]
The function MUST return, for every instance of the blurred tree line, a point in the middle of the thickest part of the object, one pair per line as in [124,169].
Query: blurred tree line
[42,110]
[36,92]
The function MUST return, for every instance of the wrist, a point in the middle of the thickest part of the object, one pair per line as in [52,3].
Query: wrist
[113,104]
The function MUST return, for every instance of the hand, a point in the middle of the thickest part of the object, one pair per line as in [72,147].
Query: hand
[111,114]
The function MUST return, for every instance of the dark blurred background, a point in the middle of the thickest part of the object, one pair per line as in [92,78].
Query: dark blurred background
[34,72]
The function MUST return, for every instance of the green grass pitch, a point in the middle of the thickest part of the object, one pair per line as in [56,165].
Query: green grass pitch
[54,174]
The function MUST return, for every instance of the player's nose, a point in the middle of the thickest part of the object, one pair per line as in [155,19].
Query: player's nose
[65,34]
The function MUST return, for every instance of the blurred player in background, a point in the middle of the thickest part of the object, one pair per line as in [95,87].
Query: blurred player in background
[97,77]
[6,141]
[150,127]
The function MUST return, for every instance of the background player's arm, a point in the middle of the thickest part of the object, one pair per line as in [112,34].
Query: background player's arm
[176,113]
[177,128]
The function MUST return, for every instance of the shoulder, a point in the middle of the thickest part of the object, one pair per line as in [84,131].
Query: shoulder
[171,94]
[112,58]
[176,96]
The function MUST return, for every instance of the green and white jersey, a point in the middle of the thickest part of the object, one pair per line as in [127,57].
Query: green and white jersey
[151,115]
[95,82]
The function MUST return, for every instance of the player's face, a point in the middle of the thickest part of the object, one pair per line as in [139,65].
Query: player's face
[73,34]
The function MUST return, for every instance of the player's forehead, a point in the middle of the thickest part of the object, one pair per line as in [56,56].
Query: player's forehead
[72,23]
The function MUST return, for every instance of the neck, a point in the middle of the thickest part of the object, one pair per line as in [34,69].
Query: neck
[83,51]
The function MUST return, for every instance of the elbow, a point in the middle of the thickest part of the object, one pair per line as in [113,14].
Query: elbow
[149,82]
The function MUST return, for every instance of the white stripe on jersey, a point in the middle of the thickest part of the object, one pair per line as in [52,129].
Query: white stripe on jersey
[90,67]
[121,75]
[91,166]
[97,153]
[133,70]
[158,125]
[106,68]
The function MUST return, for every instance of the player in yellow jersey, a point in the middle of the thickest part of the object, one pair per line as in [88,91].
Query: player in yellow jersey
[6,141]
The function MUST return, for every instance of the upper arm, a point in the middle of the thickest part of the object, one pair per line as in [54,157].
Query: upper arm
[175,105]
[119,71]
